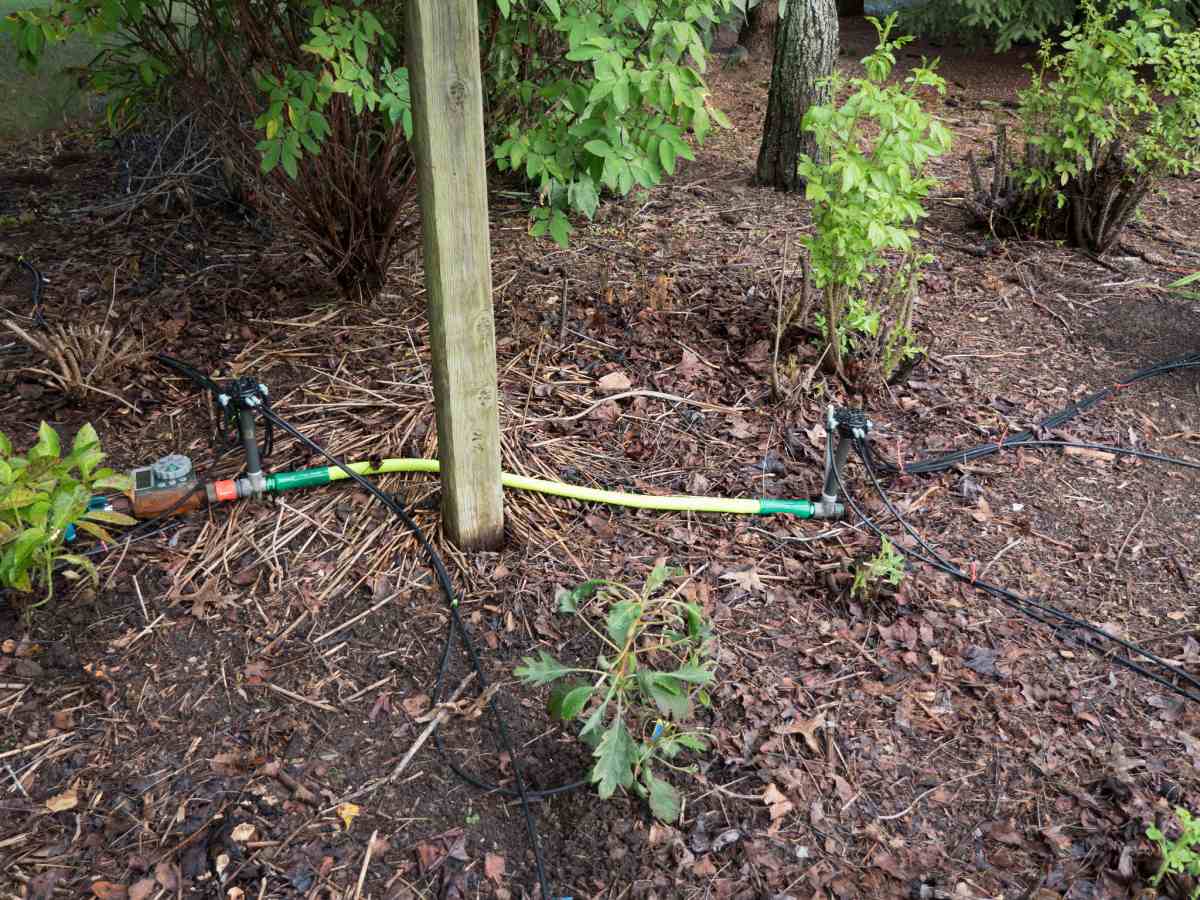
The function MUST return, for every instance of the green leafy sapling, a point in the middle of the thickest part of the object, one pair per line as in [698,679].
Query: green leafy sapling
[43,494]
[1111,112]
[1180,856]
[885,567]
[635,704]
[866,193]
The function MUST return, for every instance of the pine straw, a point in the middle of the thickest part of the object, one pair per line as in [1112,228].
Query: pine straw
[360,411]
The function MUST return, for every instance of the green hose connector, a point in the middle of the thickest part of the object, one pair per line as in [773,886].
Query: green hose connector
[304,478]
[801,509]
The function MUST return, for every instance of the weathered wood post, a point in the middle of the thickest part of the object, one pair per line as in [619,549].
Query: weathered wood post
[447,96]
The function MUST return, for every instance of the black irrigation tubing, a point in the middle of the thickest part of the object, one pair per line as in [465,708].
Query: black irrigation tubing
[455,625]
[36,314]
[1033,437]
[1057,619]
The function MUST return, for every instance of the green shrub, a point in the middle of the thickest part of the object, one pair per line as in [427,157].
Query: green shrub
[866,194]
[42,494]
[654,663]
[1004,23]
[587,96]
[1103,120]
[1101,132]
[582,96]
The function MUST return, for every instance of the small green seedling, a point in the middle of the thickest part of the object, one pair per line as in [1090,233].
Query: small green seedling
[654,664]
[885,566]
[1179,856]
[42,494]
[1178,287]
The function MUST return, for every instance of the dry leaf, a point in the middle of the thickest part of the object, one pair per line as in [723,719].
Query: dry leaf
[779,805]
[235,893]
[347,812]
[739,429]
[704,868]
[106,890]
[243,832]
[142,889]
[689,365]
[493,867]
[805,727]
[983,513]
[68,799]
[167,874]
[747,580]
[416,705]
[614,383]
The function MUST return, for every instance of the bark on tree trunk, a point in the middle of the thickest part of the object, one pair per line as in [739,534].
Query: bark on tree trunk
[760,25]
[851,8]
[806,46]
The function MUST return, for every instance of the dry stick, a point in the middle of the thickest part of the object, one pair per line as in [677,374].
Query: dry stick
[562,322]
[787,243]
[1136,526]
[319,704]
[440,716]
[361,615]
[362,873]
[925,794]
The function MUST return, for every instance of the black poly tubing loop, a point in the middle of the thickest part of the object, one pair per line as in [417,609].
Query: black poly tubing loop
[1041,612]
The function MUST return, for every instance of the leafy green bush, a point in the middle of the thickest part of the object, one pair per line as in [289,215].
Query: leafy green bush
[582,95]
[654,663]
[1004,23]
[42,494]
[587,96]
[866,194]
[305,97]
[1115,111]
[1179,857]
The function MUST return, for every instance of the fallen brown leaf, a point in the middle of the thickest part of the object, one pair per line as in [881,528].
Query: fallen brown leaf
[142,888]
[614,383]
[68,799]
[416,705]
[493,867]
[107,890]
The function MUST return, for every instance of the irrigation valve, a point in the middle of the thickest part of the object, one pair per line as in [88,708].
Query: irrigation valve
[842,427]
[170,484]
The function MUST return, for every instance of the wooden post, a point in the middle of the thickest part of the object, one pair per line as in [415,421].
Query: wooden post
[447,96]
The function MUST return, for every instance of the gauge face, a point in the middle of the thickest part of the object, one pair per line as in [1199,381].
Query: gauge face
[143,480]
[171,470]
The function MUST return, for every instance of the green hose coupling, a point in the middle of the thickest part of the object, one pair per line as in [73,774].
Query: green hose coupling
[801,509]
[290,481]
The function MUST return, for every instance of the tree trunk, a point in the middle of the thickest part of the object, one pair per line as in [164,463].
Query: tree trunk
[806,46]
[760,25]
[851,8]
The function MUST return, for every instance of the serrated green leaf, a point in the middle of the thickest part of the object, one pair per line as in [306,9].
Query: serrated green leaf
[693,673]
[664,798]
[560,229]
[659,576]
[542,670]
[669,695]
[620,619]
[568,700]
[615,758]
[6,447]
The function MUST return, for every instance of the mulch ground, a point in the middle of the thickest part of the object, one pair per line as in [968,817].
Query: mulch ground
[222,717]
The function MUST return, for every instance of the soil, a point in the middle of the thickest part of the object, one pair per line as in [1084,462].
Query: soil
[220,717]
